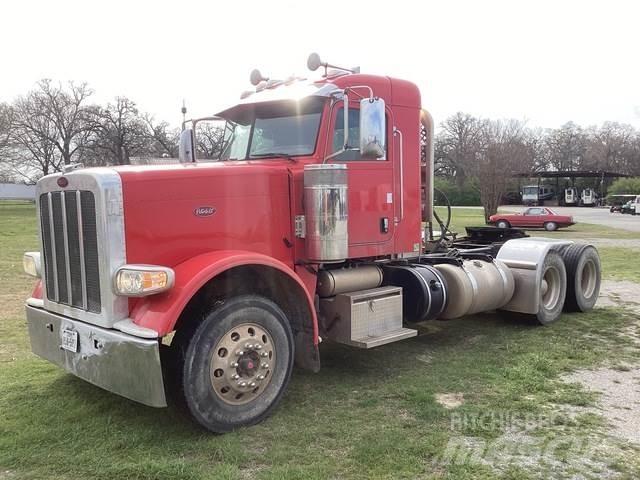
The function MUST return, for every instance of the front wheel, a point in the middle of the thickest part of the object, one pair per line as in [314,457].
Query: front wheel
[237,363]
[503,224]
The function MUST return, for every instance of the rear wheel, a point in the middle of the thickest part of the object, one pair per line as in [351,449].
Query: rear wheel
[503,224]
[237,363]
[550,226]
[553,289]
[583,277]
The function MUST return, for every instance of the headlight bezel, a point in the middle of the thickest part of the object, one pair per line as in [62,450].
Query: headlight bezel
[32,264]
[128,280]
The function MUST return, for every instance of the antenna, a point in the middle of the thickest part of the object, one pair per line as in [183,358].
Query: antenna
[184,111]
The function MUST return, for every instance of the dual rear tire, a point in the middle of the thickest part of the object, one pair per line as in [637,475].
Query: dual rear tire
[583,277]
[570,281]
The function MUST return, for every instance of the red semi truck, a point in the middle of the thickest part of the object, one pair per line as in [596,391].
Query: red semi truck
[209,280]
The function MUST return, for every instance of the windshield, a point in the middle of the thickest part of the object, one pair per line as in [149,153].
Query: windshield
[274,129]
[530,190]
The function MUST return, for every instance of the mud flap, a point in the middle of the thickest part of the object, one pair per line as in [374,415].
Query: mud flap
[307,355]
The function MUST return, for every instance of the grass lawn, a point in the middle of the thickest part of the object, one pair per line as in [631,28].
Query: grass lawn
[367,414]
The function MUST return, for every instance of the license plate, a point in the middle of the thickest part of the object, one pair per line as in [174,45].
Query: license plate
[70,340]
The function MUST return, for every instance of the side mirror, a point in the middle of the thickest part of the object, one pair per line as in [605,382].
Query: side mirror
[186,152]
[372,128]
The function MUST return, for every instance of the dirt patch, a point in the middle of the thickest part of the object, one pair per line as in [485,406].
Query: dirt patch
[620,294]
[618,386]
[619,401]
[450,400]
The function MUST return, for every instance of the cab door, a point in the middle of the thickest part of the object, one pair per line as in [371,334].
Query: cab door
[371,188]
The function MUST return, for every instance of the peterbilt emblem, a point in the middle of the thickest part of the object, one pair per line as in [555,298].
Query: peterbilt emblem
[204,211]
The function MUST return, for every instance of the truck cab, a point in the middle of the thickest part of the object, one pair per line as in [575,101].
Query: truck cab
[217,276]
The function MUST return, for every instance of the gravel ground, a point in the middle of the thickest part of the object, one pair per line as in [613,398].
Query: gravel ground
[619,387]
[619,401]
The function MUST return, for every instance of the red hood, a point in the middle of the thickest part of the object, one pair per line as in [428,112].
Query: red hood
[174,212]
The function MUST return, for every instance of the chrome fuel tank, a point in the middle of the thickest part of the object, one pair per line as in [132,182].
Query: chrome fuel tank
[325,205]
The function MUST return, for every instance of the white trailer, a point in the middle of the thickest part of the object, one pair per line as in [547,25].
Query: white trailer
[571,196]
[588,198]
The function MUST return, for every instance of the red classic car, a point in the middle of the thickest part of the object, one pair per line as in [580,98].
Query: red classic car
[534,217]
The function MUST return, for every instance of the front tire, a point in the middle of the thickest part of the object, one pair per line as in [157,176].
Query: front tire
[503,224]
[237,364]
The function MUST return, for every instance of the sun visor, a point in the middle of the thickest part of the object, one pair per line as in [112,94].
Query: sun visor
[301,93]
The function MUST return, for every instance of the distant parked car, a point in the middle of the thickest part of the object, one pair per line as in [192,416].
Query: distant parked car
[534,217]
[629,208]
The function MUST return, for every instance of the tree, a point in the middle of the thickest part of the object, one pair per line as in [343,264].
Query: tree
[6,121]
[209,140]
[66,111]
[504,150]
[565,148]
[164,139]
[32,152]
[120,133]
[613,147]
[457,144]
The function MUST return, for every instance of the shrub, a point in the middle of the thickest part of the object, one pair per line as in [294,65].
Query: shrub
[623,186]
[465,195]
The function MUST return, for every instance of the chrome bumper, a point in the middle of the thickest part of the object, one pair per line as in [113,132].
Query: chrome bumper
[120,363]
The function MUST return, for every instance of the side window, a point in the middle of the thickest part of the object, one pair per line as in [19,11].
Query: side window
[535,211]
[354,135]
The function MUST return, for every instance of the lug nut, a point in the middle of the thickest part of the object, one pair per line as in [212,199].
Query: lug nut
[248,346]
[260,377]
[235,376]
[264,354]
[234,364]
[239,353]
[252,384]
[265,365]
[243,384]
[257,346]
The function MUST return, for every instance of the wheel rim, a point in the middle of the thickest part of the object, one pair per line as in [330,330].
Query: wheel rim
[588,280]
[241,363]
[550,288]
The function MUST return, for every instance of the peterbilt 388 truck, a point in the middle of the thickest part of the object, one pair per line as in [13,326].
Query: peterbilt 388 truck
[209,280]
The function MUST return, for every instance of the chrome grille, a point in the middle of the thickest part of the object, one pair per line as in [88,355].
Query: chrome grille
[70,248]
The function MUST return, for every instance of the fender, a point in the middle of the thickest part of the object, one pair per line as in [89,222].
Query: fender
[161,312]
[525,257]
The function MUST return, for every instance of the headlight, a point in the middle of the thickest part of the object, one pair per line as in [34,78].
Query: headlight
[31,264]
[142,280]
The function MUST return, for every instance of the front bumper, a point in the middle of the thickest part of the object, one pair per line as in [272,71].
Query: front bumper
[118,362]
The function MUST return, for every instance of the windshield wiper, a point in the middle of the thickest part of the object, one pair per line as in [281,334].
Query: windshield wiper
[273,154]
